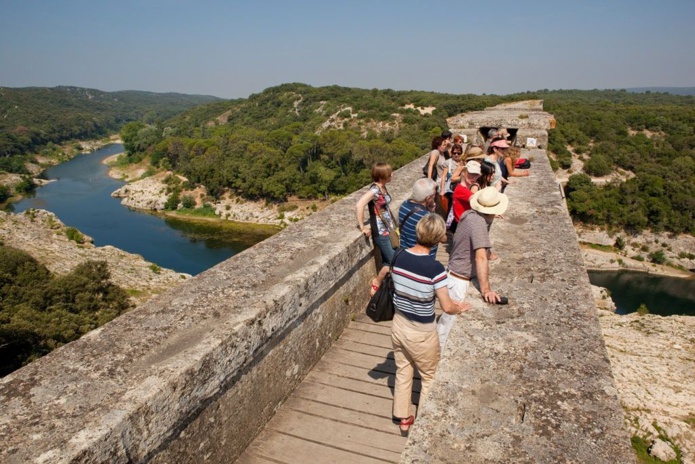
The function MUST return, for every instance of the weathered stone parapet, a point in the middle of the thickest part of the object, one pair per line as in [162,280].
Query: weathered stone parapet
[194,374]
[529,382]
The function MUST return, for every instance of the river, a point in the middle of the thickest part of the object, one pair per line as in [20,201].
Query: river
[81,197]
[663,295]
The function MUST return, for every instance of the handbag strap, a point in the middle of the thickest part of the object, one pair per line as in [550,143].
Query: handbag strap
[393,261]
[389,225]
[410,213]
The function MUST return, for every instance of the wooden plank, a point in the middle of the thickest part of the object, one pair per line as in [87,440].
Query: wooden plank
[357,373]
[363,348]
[367,325]
[368,338]
[353,401]
[364,361]
[383,389]
[287,449]
[358,418]
[337,435]
[373,365]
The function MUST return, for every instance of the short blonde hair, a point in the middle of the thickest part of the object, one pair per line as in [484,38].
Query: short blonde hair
[381,171]
[430,230]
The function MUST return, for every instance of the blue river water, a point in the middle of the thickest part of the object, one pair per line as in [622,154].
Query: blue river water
[662,295]
[81,197]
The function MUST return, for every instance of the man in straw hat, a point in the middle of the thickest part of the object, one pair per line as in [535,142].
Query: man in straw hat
[469,252]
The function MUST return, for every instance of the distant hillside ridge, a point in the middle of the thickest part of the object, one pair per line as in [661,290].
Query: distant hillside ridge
[32,117]
[671,90]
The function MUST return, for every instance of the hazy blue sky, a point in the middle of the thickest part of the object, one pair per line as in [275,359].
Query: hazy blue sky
[235,48]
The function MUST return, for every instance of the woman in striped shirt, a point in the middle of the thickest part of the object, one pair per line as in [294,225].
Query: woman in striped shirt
[417,279]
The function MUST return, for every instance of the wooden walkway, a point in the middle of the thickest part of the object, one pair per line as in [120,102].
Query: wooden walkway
[341,412]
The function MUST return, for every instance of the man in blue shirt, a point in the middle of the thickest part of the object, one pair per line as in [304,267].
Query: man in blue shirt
[421,203]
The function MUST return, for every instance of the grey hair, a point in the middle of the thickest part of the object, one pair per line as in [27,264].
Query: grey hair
[492,133]
[423,187]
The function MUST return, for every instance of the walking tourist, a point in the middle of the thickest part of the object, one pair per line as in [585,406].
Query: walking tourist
[417,279]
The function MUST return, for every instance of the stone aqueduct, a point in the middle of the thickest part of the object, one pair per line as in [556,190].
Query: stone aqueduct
[206,364]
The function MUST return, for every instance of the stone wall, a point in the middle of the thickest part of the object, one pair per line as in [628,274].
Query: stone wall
[194,374]
[528,382]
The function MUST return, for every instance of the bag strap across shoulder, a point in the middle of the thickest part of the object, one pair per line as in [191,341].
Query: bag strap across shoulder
[410,213]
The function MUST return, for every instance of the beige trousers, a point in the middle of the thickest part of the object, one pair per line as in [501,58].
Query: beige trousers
[415,345]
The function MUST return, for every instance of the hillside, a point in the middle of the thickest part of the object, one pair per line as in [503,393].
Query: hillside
[630,158]
[672,90]
[32,117]
[297,140]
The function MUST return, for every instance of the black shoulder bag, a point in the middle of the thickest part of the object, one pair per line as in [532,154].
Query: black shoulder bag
[381,307]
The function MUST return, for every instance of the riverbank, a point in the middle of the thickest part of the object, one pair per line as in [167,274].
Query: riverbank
[66,152]
[151,192]
[41,234]
[676,252]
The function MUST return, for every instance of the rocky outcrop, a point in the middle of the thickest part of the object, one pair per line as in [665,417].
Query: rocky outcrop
[151,194]
[653,363]
[42,235]
[679,250]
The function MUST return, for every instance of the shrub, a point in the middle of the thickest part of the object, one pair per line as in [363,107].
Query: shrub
[188,202]
[156,269]
[26,185]
[5,193]
[619,243]
[657,257]
[643,309]
[598,165]
[75,235]
[173,201]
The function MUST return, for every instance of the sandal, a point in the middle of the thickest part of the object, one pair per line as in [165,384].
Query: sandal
[406,423]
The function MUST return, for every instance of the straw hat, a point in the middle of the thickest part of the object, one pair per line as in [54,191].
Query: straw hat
[473,152]
[489,201]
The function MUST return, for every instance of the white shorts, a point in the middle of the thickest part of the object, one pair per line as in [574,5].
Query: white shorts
[457,292]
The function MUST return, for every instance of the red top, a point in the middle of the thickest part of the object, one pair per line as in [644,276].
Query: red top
[462,200]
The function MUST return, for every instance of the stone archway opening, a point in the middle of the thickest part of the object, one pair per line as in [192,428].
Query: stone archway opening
[512,131]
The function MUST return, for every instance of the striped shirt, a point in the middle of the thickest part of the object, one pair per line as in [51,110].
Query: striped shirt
[408,235]
[415,279]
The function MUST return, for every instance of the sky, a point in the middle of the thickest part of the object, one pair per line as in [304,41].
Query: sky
[234,48]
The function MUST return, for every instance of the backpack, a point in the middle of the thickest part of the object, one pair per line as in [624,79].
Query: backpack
[522,163]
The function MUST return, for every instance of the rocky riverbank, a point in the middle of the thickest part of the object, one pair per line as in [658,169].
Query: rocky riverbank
[151,193]
[677,252]
[42,235]
[653,363]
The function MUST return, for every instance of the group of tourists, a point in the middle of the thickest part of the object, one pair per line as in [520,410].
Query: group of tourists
[457,200]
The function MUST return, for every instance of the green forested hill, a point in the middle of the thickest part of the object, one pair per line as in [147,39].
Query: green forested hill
[31,117]
[311,142]
[649,135]
[295,139]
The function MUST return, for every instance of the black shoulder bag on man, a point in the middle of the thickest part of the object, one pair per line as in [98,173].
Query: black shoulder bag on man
[381,307]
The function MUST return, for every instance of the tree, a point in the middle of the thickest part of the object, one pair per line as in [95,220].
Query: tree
[597,165]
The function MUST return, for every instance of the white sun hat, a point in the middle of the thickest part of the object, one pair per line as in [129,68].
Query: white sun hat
[489,201]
